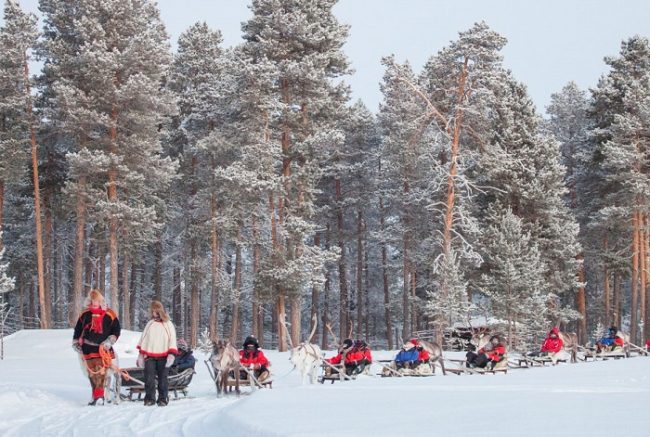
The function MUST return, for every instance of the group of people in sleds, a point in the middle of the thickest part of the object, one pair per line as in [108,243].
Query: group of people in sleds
[355,356]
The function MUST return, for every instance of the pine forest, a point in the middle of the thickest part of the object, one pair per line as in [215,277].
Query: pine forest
[243,188]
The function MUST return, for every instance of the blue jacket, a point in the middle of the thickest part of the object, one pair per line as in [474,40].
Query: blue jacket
[184,360]
[407,356]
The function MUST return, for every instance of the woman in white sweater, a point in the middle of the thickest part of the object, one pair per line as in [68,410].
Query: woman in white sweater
[157,348]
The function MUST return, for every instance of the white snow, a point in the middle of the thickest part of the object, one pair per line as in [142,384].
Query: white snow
[43,393]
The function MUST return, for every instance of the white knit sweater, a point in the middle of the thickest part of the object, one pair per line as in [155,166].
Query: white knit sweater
[158,339]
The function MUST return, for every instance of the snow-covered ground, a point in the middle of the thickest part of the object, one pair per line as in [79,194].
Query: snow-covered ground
[43,393]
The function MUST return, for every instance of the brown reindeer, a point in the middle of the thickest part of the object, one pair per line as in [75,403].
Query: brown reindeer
[225,360]
[570,340]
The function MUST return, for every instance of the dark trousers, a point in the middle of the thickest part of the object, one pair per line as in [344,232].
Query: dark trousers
[477,360]
[155,368]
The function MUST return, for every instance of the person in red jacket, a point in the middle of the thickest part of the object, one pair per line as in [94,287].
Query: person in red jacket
[342,351]
[358,358]
[552,343]
[423,354]
[252,357]
[647,345]
[487,356]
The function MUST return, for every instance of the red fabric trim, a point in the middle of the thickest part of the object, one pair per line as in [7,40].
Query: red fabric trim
[159,355]
[98,392]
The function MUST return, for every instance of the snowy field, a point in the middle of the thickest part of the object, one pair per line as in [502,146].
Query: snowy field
[43,393]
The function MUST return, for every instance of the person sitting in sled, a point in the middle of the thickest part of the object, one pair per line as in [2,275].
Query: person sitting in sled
[252,357]
[358,358]
[97,327]
[184,360]
[409,356]
[610,342]
[487,356]
[344,353]
[552,344]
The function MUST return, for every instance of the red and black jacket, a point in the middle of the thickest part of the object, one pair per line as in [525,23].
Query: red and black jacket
[255,358]
[89,338]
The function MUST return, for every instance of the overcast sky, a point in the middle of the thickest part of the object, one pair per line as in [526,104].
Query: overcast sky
[550,42]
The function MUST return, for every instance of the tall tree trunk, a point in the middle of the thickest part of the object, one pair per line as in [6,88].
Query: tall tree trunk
[607,298]
[80,237]
[384,275]
[635,277]
[214,269]
[406,267]
[313,313]
[47,261]
[157,270]
[581,303]
[646,315]
[326,296]
[279,315]
[133,292]
[2,210]
[642,272]
[343,281]
[195,305]
[360,291]
[102,265]
[366,317]
[255,300]
[126,293]
[177,306]
[236,306]
[451,184]
[43,298]
[618,304]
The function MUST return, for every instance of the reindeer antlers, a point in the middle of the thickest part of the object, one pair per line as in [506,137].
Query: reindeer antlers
[329,328]
[286,331]
[313,330]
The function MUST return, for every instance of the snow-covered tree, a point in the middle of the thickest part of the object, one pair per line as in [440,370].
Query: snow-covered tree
[6,285]
[514,274]
[304,42]
[619,115]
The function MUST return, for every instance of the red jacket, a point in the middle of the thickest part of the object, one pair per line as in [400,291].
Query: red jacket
[366,354]
[647,344]
[354,355]
[424,356]
[553,344]
[618,341]
[495,354]
[253,358]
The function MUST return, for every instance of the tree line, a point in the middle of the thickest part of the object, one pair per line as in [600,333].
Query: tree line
[241,187]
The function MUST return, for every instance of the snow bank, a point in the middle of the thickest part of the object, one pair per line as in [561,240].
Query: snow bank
[43,393]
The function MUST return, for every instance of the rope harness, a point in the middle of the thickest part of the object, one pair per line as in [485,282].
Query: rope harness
[107,363]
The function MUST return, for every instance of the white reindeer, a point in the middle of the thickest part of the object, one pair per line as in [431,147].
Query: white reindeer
[306,357]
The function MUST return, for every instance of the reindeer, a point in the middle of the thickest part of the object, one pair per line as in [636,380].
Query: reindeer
[225,359]
[435,353]
[306,357]
[570,340]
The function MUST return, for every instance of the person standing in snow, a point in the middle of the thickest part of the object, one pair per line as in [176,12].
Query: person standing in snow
[158,351]
[97,327]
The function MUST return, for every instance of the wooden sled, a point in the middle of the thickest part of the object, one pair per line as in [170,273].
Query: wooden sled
[337,372]
[389,371]
[249,381]
[134,385]
[461,367]
[615,354]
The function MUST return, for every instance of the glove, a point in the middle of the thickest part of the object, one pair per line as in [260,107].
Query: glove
[107,345]
[140,361]
[170,360]
[256,366]
[76,346]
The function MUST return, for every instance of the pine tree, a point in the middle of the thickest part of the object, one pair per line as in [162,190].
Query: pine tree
[514,279]
[619,104]
[304,41]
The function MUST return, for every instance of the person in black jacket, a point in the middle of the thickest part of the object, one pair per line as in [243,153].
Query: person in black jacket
[97,327]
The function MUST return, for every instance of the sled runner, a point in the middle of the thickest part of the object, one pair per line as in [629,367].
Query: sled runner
[461,367]
[134,385]
[334,372]
[388,369]
[615,354]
